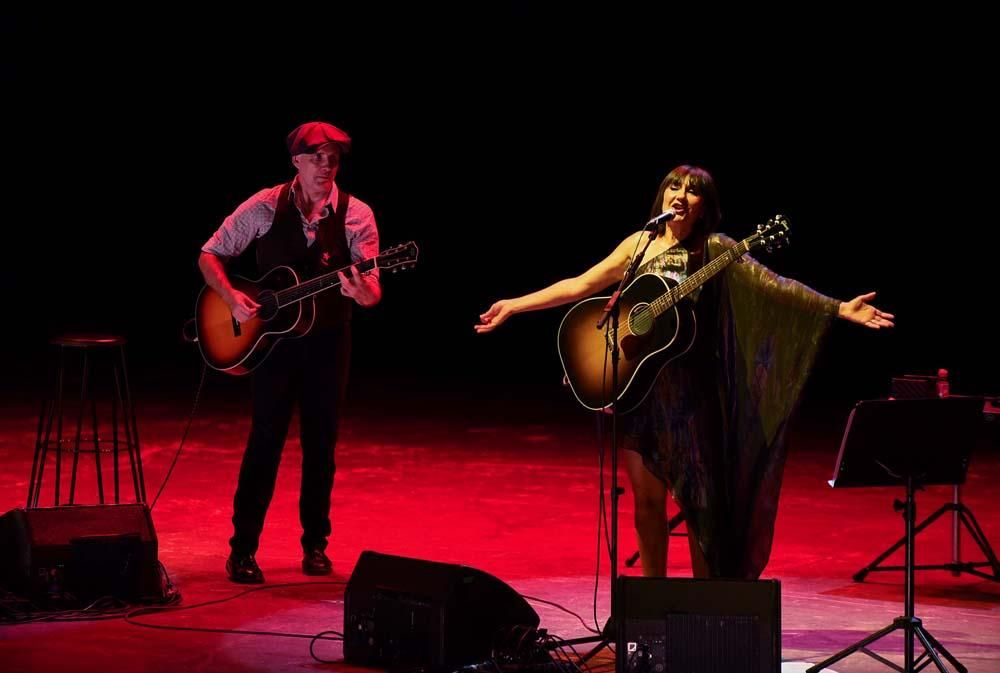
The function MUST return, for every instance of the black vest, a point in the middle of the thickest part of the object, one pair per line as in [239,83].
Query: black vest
[285,245]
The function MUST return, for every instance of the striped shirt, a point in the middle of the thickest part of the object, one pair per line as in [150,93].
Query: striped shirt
[253,218]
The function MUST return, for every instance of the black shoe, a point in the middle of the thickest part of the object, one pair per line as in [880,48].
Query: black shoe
[315,562]
[242,568]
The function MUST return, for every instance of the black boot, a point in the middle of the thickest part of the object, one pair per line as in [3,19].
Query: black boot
[243,568]
[316,562]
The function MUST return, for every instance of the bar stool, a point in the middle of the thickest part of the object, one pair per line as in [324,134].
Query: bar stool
[95,354]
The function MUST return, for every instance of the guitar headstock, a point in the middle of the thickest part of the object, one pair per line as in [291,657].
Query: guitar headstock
[399,257]
[771,235]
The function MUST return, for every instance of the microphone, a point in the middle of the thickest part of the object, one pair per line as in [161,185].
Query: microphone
[656,224]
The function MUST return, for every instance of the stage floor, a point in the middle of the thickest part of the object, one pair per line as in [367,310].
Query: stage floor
[506,485]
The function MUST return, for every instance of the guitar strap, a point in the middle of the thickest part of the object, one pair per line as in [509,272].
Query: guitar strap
[696,254]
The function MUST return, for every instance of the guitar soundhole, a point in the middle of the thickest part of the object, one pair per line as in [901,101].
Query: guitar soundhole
[640,319]
[268,305]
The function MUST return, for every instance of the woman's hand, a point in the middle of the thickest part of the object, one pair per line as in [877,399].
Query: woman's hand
[860,311]
[496,315]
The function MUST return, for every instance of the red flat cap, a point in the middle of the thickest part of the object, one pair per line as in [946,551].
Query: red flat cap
[307,137]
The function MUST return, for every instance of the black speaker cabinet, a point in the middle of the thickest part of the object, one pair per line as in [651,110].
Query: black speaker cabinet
[668,625]
[82,551]
[408,612]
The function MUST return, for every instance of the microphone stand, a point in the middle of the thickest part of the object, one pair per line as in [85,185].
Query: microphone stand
[612,312]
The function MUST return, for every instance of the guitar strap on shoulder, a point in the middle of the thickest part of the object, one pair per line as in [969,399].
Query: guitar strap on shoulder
[696,253]
[342,198]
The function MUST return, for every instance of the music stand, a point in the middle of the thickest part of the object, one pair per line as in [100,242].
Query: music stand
[961,515]
[915,443]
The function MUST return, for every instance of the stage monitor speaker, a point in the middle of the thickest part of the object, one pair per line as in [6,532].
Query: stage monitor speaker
[668,625]
[408,612]
[80,552]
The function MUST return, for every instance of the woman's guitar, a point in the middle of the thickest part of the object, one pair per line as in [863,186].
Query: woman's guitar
[286,310]
[657,327]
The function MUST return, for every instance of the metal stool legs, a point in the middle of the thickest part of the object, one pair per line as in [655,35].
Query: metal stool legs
[95,351]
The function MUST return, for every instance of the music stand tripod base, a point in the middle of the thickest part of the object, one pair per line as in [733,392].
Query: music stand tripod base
[914,443]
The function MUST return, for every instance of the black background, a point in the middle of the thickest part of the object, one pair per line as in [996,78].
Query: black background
[516,148]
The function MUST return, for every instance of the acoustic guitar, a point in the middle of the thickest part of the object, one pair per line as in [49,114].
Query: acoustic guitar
[658,326]
[287,310]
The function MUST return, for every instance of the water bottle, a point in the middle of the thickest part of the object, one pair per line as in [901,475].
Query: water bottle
[942,383]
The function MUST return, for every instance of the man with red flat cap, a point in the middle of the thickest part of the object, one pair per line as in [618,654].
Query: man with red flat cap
[313,226]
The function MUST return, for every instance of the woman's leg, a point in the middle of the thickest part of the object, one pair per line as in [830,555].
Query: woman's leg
[699,567]
[650,515]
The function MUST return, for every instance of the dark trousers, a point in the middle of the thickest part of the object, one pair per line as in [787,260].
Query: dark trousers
[310,371]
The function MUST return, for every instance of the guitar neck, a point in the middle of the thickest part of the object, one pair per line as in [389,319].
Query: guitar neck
[700,277]
[290,295]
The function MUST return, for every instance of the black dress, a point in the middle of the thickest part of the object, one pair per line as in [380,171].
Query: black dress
[713,426]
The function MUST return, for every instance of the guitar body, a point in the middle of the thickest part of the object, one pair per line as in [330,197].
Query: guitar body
[238,348]
[287,309]
[646,344]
